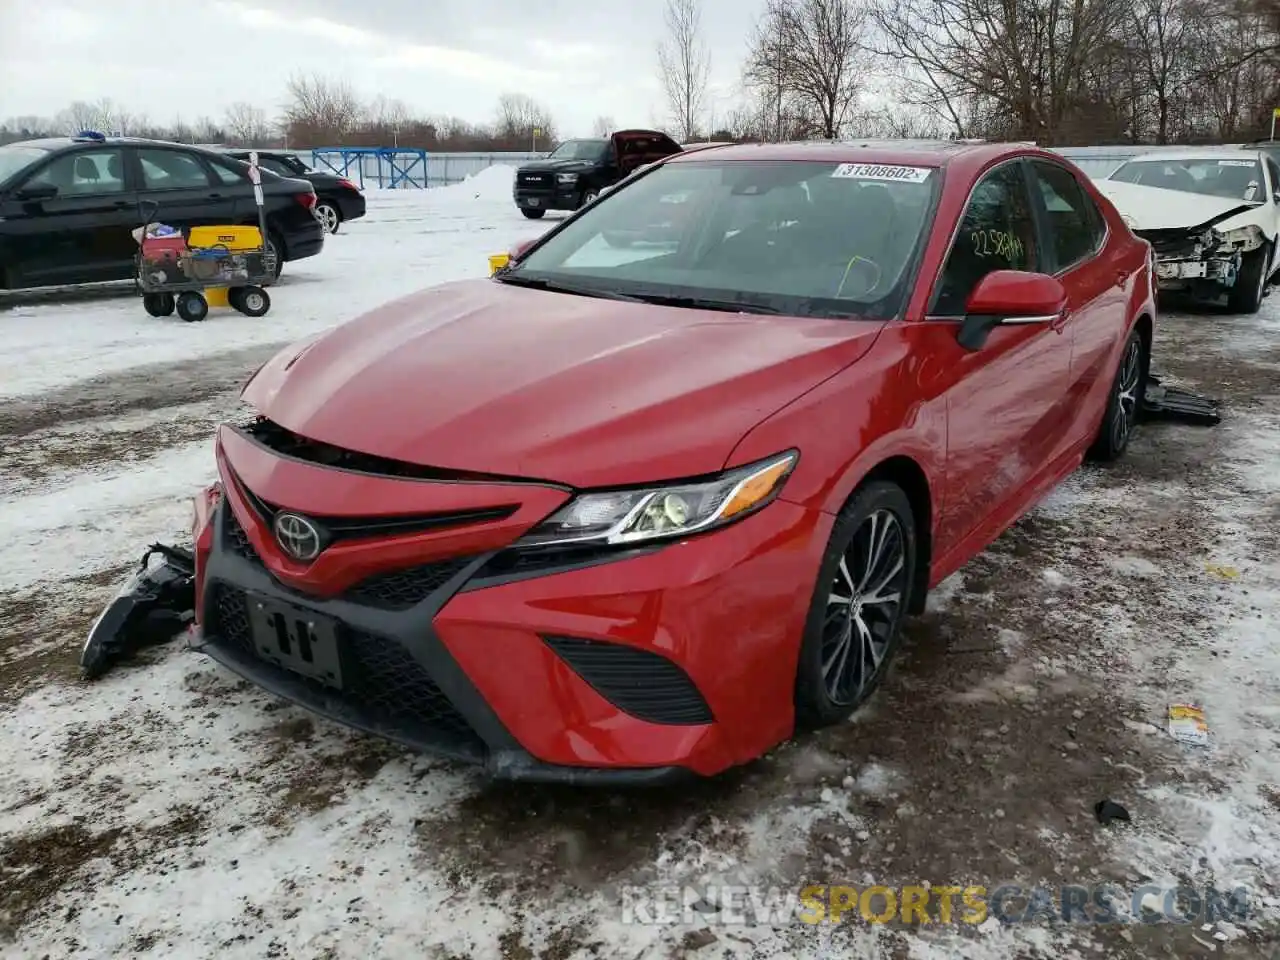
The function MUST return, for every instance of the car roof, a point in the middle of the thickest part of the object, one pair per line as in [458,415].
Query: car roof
[928,153]
[1198,153]
[63,143]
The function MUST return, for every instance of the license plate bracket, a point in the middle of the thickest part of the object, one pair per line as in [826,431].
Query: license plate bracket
[299,640]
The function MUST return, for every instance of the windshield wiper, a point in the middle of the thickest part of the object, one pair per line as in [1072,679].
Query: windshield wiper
[705,303]
[555,286]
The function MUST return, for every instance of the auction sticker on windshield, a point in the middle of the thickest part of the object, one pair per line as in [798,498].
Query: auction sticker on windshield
[881,171]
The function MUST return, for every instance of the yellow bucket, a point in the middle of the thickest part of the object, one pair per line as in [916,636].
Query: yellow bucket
[497,261]
[217,296]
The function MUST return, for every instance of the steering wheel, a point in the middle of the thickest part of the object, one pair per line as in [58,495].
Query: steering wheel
[867,271]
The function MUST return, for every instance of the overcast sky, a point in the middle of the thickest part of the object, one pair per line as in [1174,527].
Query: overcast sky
[581,58]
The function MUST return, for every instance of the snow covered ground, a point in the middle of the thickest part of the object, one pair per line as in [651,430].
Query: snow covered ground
[171,810]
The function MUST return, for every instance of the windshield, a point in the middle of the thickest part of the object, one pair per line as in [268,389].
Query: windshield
[579,150]
[13,159]
[792,237]
[1209,177]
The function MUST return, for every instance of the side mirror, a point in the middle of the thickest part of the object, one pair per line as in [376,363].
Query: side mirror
[1009,297]
[36,192]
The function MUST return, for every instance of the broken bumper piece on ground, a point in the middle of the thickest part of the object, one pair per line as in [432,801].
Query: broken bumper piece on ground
[155,604]
[1171,404]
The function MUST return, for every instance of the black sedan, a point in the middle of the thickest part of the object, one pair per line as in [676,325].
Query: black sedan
[338,198]
[69,205]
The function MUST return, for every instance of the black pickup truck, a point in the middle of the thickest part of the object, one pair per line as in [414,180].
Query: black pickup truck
[577,171]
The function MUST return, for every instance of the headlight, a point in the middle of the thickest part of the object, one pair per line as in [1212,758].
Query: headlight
[1240,235]
[663,512]
[567,177]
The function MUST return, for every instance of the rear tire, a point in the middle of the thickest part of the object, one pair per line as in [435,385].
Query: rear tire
[1124,403]
[252,301]
[1251,285]
[864,588]
[192,307]
[275,256]
[532,214]
[329,216]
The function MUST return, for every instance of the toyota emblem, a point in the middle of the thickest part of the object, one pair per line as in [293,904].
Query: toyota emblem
[297,536]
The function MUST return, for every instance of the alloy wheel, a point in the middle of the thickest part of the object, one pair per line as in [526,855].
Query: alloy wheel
[328,216]
[1126,408]
[863,605]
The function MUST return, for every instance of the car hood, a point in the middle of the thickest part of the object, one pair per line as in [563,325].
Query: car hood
[1155,208]
[556,166]
[482,377]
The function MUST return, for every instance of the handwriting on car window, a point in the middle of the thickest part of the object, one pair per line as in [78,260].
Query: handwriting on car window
[996,243]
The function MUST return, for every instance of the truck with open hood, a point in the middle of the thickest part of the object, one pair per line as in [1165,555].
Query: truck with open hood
[577,171]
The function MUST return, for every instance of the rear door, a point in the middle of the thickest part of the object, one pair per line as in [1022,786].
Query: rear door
[1007,402]
[183,186]
[1098,279]
[81,235]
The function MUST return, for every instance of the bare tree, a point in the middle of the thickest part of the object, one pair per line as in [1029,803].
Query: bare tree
[321,108]
[684,66]
[519,116]
[825,40]
[246,124]
[603,126]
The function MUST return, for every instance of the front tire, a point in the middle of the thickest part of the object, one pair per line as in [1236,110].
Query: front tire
[1251,285]
[1124,402]
[865,586]
[192,307]
[533,213]
[159,304]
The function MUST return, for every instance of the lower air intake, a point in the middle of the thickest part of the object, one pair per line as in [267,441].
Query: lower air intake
[641,683]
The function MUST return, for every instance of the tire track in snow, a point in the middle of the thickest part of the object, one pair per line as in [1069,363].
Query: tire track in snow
[141,388]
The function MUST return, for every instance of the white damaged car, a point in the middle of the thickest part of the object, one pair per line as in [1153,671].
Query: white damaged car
[1212,216]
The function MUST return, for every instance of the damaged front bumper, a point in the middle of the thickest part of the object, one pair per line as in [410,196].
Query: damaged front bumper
[1201,259]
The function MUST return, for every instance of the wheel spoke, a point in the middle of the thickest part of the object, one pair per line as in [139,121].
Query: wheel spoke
[863,604]
[848,577]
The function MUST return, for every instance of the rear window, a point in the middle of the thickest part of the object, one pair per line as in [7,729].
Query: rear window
[14,160]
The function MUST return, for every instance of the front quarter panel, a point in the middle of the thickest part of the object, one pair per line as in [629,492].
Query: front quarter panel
[876,409]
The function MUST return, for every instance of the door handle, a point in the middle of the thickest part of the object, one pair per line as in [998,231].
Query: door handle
[121,204]
[215,196]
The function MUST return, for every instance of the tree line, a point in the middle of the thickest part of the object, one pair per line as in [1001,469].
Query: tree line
[318,112]
[1059,72]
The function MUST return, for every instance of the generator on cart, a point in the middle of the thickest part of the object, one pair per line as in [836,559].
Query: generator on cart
[184,271]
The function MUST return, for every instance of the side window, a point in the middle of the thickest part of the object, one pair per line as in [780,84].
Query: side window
[1273,169]
[997,232]
[1075,223]
[275,166]
[85,173]
[226,173]
[171,170]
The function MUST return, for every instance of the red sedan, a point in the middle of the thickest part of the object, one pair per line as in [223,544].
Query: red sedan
[631,510]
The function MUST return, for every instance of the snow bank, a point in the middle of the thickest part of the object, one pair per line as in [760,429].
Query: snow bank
[491,183]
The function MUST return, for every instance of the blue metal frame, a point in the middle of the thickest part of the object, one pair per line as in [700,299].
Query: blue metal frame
[404,167]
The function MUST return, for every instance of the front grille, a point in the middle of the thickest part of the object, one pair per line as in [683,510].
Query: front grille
[402,589]
[639,682]
[382,682]
[236,540]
